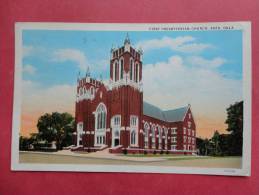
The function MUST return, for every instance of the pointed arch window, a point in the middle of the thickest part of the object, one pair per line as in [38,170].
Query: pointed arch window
[101,116]
[92,90]
[134,72]
[153,129]
[131,69]
[146,128]
[160,133]
[121,68]
[133,138]
[137,67]
[116,71]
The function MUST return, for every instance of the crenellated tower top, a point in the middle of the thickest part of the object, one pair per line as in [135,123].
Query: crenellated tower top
[126,66]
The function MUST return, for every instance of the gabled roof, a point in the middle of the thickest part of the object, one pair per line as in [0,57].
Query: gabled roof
[153,111]
[168,115]
[176,114]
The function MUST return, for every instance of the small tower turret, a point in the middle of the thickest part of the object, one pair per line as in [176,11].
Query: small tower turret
[126,66]
[127,39]
[88,72]
[127,43]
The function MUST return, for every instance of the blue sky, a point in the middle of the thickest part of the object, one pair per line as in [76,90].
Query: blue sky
[201,68]
[96,46]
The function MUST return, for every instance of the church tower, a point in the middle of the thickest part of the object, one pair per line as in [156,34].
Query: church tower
[126,95]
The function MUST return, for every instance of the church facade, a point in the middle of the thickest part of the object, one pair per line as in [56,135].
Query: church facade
[115,116]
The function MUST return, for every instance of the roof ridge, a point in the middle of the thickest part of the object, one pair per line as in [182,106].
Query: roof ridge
[165,110]
[172,115]
[176,108]
[153,105]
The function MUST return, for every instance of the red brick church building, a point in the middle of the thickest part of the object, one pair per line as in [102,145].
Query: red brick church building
[115,116]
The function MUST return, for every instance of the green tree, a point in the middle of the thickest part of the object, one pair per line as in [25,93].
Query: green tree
[207,147]
[224,144]
[25,143]
[56,127]
[204,146]
[200,145]
[216,143]
[235,127]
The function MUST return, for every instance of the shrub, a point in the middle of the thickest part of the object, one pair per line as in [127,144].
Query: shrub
[161,152]
[125,151]
[145,152]
[154,152]
[167,152]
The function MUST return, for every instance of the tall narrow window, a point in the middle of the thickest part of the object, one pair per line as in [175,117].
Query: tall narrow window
[121,73]
[146,128]
[104,120]
[137,72]
[101,117]
[131,69]
[153,131]
[92,90]
[79,133]
[134,76]
[160,133]
[116,71]
[133,138]
[98,120]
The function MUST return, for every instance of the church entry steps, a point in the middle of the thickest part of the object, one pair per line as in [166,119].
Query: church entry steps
[116,149]
[103,151]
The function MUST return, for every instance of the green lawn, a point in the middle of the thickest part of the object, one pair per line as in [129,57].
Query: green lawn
[169,160]
[151,155]
[175,156]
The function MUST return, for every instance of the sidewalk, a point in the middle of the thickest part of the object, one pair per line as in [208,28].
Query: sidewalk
[104,154]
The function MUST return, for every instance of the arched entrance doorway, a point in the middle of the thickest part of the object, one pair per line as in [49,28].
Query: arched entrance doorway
[116,125]
[116,138]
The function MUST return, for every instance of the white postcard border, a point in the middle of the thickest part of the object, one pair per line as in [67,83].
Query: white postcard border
[247,83]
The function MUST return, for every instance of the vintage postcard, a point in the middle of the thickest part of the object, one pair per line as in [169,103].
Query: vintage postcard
[153,98]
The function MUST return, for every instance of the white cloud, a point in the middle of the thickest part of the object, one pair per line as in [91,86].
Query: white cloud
[29,50]
[66,54]
[205,63]
[172,84]
[75,55]
[36,99]
[183,44]
[29,69]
